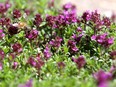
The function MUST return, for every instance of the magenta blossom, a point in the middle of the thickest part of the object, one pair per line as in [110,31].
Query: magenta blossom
[1,34]
[17,47]
[103,39]
[16,13]
[12,30]
[47,53]
[102,78]
[1,66]
[37,19]
[31,35]
[80,61]
[61,65]
[72,47]
[56,42]
[2,54]
[27,84]
[15,65]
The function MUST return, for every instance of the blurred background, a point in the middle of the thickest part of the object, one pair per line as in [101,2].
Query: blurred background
[106,7]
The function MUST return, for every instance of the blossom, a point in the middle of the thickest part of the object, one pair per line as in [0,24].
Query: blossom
[86,16]
[12,30]
[103,39]
[69,6]
[113,54]
[4,7]
[56,42]
[61,65]
[80,61]
[1,66]
[16,13]
[17,47]
[106,21]
[72,47]
[31,35]
[2,54]
[37,19]
[5,21]
[102,78]
[1,34]
[27,84]
[47,53]
[15,64]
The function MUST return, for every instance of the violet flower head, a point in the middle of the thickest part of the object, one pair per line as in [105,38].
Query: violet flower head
[79,29]
[77,38]
[5,21]
[51,4]
[15,65]
[1,66]
[47,53]
[31,61]
[1,34]
[31,35]
[61,65]
[4,7]
[80,61]
[113,54]
[106,21]
[12,30]
[16,13]
[27,84]
[86,16]
[37,19]
[17,47]
[102,78]
[56,42]
[72,47]
[2,54]
[69,6]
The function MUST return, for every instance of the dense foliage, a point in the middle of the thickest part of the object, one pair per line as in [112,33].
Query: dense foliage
[42,45]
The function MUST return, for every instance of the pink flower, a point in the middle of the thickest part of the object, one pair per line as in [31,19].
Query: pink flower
[2,54]
[1,34]
[31,35]
[80,61]
[17,47]
[47,53]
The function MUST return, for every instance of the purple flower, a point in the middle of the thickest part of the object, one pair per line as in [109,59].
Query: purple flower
[69,6]
[17,47]
[51,4]
[106,21]
[56,42]
[1,66]
[102,78]
[72,47]
[1,34]
[37,19]
[113,54]
[77,38]
[31,61]
[79,29]
[5,21]
[31,35]
[61,65]
[86,16]
[47,53]
[27,84]
[15,65]
[80,61]
[12,30]
[4,7]
[35,62]
[16,13]
[2,54]
[103,39]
